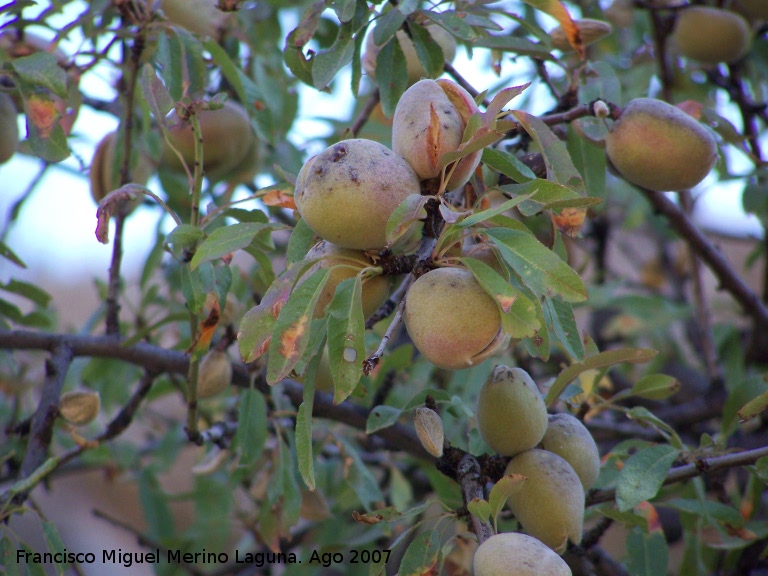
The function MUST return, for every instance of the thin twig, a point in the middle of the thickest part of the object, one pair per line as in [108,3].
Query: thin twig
[370,363]
[365,113]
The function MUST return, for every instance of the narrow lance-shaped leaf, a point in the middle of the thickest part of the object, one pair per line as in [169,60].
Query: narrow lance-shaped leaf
[643,475]
[502,490]
[601,360]
[346,337]
[387,26]
[563,322]
[391,76]
[226,240]
[538,267]
[329,62]
[647,553]
[252,430]
[405,224]
[258,324]
[422,555]
[754,407]
[518,314]
[479,508]
[507,164]
[360,478]
[429,52]
[291,334]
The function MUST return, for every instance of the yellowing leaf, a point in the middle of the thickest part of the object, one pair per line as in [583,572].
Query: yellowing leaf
[289,338]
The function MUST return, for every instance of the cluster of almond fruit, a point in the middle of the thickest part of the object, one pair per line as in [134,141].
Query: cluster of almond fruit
[348,192]
[553,459]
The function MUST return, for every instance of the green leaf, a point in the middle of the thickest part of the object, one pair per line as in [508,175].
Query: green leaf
[479,217]
[9,254]
[252,432]
[510,43]
[304,453]
[193,288]
[642,414]
[453,23]
[41,71]
[301,240]
[386,27]
[360,478]
[32,569]
[291,334]
[647,553]
[405,224]
[539,268]
[507,164]
[155,94]
[182,67]
[479,508]
[226,240]
[248,92]
[429,52]
[655,387]
[422,555]
[503,489]
[391,76]
[45,135]
[596,362]
[518,314]
[563,322]
[55,544]
[28,291]
[346,337]
[381,417]
[329,62]
[258,324]
[543,195]
[8,557]
[558,161]
[154,503]
[754,407]
[345,9]
[708,509]
[643,475]
[183,238]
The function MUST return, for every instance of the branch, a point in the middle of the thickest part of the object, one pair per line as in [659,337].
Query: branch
[699,243]
[159,360]
[700,467]
[470,480]
[47,409]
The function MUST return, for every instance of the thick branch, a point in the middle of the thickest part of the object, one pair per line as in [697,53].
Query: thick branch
[158,360]
[700,467]
[47,409]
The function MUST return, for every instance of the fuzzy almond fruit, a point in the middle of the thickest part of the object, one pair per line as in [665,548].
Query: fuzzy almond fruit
[346,263]
[414,66]
[429,121]
[712,35]
[567,437]
[80,408]
[591,31]
[105,173]
[200,17]
[511,414]
[227,139]
[451,320]
[550,503]
[515,554]
[429,429]
[9,128]
[347,193]
[215,374]
[658,146]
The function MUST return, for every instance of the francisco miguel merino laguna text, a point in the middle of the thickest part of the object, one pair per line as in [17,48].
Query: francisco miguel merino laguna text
[128,559]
